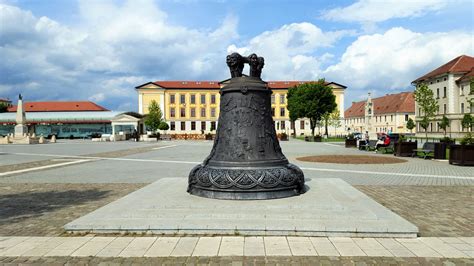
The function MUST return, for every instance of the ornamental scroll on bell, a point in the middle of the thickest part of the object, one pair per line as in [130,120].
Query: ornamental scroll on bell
[246,161]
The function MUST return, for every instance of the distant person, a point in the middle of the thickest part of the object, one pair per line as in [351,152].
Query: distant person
[366,137]
[135,135]
[384,141]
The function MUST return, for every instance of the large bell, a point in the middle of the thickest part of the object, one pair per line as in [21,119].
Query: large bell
[246,161]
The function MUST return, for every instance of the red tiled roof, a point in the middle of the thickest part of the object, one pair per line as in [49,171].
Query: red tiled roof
[460,64]
[467,76]
[59,107]
[188,84]
[216,84]
[403,102]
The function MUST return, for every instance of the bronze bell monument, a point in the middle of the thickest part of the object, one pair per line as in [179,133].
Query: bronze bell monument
[246,161]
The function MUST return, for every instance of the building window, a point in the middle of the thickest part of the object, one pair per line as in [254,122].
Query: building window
[278,125]
[182,112]
[273,111]
[213,125]
[193,112]
[203,125]
[193,99]
[444,106]
[461,91]
[444,92]
[213,112]
[183,126]
[283,125]
[172,98]
[193,125]
[273,98]
[282,111]
[437,93]
[203,112]
[462,108]
[301,124]
[292,125]
[406,118]
[182,99]
[282,98]
[203,98]
[391,118]
[444,79]
[376,119]
[213,99]
[385,118]
[172,126]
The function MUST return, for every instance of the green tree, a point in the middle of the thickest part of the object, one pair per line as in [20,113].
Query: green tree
[427,103]
[294,108]
[335,120]
[325,119]
[153,119]
[3,107]
[312,100]
[410,125]
[163,126]
[424,123]
[467,121]
[444,124]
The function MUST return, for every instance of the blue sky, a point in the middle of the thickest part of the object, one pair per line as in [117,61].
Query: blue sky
[100,50]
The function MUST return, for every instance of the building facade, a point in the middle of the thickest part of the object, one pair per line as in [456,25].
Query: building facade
[192,107]
[74,119]
[451,87]
[388,114]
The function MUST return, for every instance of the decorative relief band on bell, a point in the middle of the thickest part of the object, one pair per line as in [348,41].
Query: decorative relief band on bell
[248,180]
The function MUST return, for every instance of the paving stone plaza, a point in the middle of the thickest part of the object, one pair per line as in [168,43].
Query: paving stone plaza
[45,187]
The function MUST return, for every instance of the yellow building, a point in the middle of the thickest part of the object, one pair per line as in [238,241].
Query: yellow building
[192,107]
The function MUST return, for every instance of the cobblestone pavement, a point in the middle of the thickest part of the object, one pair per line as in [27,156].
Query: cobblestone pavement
[233,261]
[436,210]
[178,160]
[43,209]
[433,195]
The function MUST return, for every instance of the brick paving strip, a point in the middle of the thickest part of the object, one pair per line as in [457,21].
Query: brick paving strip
[273,246]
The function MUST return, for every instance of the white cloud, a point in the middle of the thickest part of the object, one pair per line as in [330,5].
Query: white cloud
[117,46]
[393,59]
[290,49]
[370,11]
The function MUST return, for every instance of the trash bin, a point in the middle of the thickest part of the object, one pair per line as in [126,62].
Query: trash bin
[440,150]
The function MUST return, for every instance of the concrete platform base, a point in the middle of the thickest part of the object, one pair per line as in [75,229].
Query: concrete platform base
[330,207]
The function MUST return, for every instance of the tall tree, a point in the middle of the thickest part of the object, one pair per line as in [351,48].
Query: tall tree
[325,119]
[467,121]
[410,125]
[3,107]
[336,120]
[312,100]
[425,99]
[154,117]
[294,108]
[444,124]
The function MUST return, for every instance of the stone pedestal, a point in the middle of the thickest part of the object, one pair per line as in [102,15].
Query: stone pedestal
[20,131]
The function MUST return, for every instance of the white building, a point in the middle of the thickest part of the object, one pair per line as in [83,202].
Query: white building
[450,84]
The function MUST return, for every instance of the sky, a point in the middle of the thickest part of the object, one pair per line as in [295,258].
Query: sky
[100,50]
